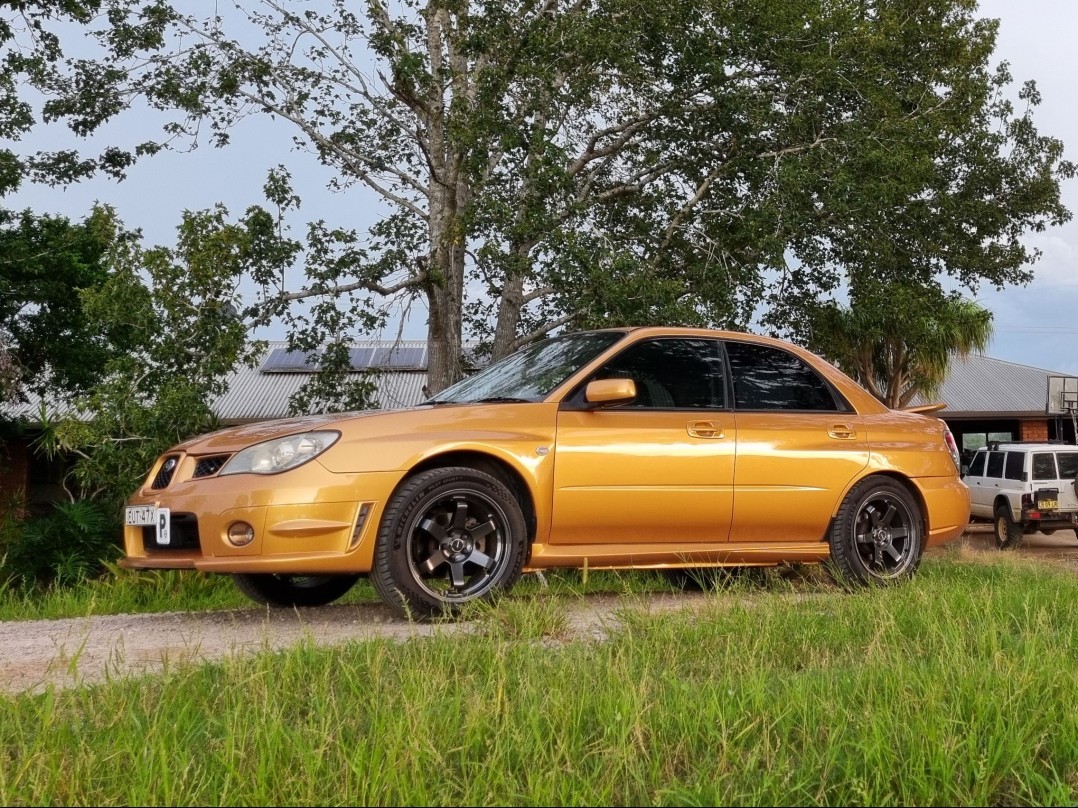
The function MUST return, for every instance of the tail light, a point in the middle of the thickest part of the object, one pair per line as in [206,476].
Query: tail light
[952,447]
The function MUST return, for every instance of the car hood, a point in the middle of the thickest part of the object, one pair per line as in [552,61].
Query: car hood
[235,438]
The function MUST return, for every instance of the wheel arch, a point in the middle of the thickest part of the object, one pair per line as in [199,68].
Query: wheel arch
[1006,503]
[902,480]
[496,467]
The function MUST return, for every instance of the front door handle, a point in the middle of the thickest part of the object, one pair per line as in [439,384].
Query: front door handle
[705,429]
[842,432]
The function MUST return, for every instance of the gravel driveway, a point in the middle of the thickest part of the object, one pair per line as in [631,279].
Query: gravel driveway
[37,653]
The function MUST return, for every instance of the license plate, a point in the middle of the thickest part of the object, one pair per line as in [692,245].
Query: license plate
[148,515]
[1048,504]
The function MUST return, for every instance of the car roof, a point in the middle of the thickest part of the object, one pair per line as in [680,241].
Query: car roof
[1030,447]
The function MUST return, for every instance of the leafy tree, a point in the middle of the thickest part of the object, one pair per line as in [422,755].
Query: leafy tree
[899,341]
[47,340]
[181,306]
[547,163]
[31,52]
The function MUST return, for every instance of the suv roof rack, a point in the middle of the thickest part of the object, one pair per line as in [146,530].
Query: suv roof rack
[993,445]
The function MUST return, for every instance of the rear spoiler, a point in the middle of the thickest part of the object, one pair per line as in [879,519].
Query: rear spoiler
[925,409]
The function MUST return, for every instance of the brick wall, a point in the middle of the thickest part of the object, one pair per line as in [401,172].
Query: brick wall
[1033,430]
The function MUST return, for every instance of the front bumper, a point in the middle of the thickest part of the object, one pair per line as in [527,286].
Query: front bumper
[307,520]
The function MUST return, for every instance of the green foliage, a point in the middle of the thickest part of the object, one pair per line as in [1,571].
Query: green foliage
[898,340]
[180,306]
[48,339]
[67,547]
[556,164]
[955,689]
[32,53]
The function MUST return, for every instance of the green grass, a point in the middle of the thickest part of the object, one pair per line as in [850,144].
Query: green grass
[125,592]
[954,689]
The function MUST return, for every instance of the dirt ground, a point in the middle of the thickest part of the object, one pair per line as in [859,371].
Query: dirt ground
[38,653]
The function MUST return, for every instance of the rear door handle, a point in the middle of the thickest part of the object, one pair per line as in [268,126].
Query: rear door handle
[705,429]
[842,432]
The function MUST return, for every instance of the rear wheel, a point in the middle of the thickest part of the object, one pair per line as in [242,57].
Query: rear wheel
[878,535]
[294,590]
[1008,533]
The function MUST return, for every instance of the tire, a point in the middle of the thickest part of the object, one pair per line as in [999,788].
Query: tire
[287,591]
[449,537]
[878,535]
[1049,531]
[1007,532]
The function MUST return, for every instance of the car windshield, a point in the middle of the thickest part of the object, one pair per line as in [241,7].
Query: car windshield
[531,373]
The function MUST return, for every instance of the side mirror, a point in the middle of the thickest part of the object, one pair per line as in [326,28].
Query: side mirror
[606,392]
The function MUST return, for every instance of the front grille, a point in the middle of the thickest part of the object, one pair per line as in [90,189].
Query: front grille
[183,534]
[208,466]
[164,474]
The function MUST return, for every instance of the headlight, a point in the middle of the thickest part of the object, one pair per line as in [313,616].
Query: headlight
[280,454]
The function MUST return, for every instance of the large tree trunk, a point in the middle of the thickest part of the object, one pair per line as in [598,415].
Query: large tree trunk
[509,309]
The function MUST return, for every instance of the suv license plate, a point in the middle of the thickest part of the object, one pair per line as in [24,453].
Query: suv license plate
[147,515]
[1048,504]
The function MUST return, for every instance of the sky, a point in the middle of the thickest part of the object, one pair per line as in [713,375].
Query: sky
[1033,325]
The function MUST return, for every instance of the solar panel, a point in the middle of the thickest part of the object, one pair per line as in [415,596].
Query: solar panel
[399,356]
[282,360]
[360,358]
[387,356]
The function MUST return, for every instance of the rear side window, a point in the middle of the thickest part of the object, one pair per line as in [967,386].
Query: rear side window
[976,468]
[767,378]
[1044,466]
[995,464]
[1068,465]
[1015,461]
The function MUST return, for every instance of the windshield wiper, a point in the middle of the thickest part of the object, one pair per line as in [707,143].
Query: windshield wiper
[502,400]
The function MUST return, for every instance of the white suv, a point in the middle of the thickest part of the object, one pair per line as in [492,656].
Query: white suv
[1024,488]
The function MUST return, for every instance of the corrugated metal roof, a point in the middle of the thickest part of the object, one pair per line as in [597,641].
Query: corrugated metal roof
[981,384]
[255,395]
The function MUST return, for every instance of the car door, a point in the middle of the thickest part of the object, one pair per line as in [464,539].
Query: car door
[991,484]
[1057,470]
[980,497]
[799,446]
[658,469]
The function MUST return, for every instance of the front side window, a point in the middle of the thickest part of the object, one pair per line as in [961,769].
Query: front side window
[671,374]
[767,378]
[976,468]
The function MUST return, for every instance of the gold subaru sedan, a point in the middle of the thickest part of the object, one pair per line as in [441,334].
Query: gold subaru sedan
[642,448]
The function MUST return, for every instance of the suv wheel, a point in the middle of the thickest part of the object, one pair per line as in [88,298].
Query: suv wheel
[1008,533]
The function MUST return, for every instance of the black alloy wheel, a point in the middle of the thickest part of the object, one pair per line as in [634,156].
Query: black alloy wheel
[450,536]
[878,535]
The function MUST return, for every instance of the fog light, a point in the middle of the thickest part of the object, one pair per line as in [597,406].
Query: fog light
[240,534]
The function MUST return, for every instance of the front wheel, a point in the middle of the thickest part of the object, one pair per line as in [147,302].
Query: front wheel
[1008,533]
[878,535]
[293,590]
[450,536]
